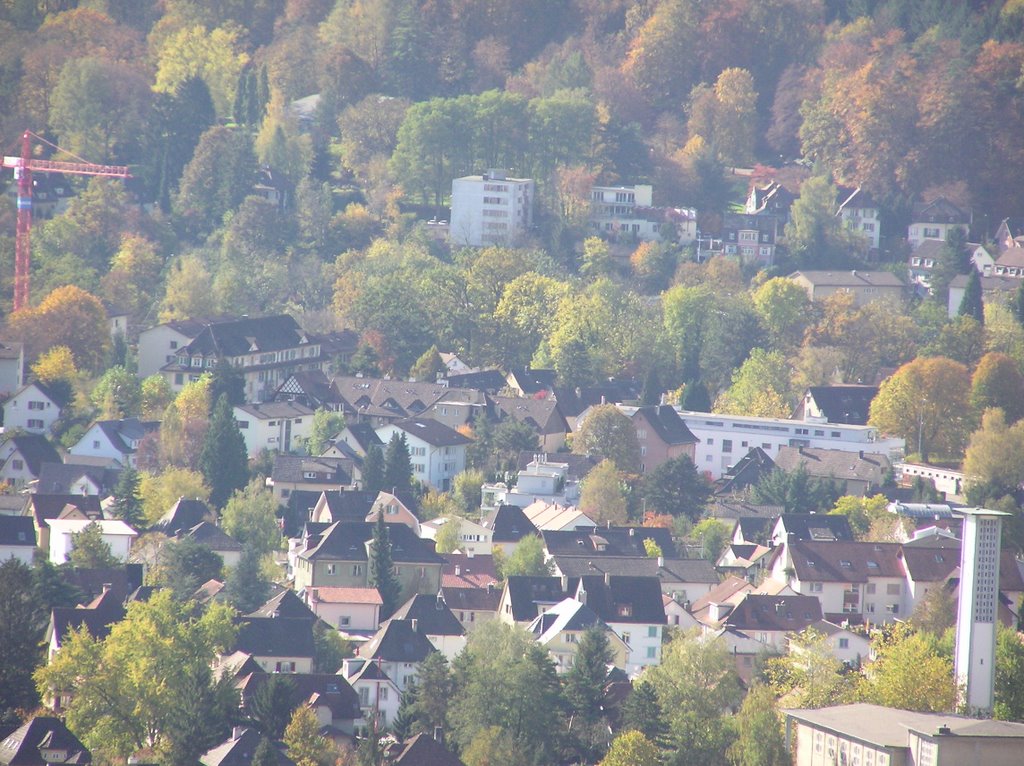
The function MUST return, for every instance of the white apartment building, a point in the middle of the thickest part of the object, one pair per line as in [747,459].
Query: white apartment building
[273,426]
[724,439]
[628,210]
[491,209]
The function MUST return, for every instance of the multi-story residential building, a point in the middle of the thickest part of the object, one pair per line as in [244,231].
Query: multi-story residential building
[491,209]
[724,439]
[340,557]
[661,433]
[266,350]
[772,199]
[935,220]
[751,237]
[622,212]
[273,426]
[859,213]
[34,408]
[438,452]
[114,440]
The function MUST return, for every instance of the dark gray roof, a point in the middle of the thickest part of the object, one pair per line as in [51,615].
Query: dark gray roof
[21,748]
[755,528]
[17,530]
[433,432]
[36,450]
[285,605]
[239,751]
[348,505]
[789,613]
[475,599]
[346,541]
[939,210]
[396,641]
[310,387]
[490,381]
[120,432]
[623,598]
[185,514]
[608,541]
[668,571]
[665,421]
[529,596]
[841,465]
[542,415]
[531,381]
[213,537]
[234,338]
[123,580]
[745,472]
[275,637]
[331,690]
[573,401]
[844,404]
[364,435]
[329,470]
[432,616]
[59,477]
[509,524]
[424,750]
[45,506]
[819,527]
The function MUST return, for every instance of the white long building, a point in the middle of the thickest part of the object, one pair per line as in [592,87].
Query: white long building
[491,209]
[724,439]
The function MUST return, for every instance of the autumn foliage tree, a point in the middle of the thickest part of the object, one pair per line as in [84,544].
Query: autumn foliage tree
[70,317]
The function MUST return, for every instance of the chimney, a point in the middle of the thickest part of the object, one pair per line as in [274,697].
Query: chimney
[582,596]
[608,578]
[661,562]
[415,625]
[861,454]
[565,583]
[632,531]
[237,732]
[314,596]
[439,734]
[490,587]
[107,586]
[458,570]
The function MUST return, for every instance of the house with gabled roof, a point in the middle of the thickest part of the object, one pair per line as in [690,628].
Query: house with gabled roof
[865,286]
[526,381]
[33,408]
[860,214]
[438,452]
[661,433]
[41,741]
[857,473]
[183,515]
[330,696]
[239,749]
[609,541]
[44,507]
[339,557]
[473,537]
[560,628]
[573,401]
[487,381]
[360,436]
[380,401]
[935,220]
[508,525]
[278,644]
[286,605]
[114,440]
[378,694]
[266,350]
[683,579]
[816,527]
[96,617]
[433,618]
[23,456]
[424,750]
[472,606]
[342,505]
[299,472]
[397,648]
[738,478]
[555,517]
[631,606]
[397,508]
[17,539]
[768,619]
[77,479]
[542,416]
[849,404]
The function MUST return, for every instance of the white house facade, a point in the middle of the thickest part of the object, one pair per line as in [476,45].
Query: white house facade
[491,209]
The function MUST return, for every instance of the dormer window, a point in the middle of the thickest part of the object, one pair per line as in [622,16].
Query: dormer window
[845,564]
[624,610]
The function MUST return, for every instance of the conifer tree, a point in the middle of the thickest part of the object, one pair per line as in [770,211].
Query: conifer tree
[246,587]
[397,464]
[127,504]
[382,571]
[373,469]
[642,712]
[223,461]
[972,304]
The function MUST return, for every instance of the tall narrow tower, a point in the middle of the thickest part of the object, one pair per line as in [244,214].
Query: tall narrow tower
[977,610]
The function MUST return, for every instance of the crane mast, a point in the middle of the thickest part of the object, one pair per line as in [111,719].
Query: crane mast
[24,166]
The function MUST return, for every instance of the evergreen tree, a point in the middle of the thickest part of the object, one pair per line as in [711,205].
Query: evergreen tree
[127,504]
[21,633]
[382,570]
[184,565]
[1018,303]
[223,460]
[246,587]
[972,304]
[584,686]
[404,725]
[433,693]
[90,551]
[696,397]
[264,755]
[373,469]
[227,380]
[652,388]
[642,712]
[397,464]
[272,705]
